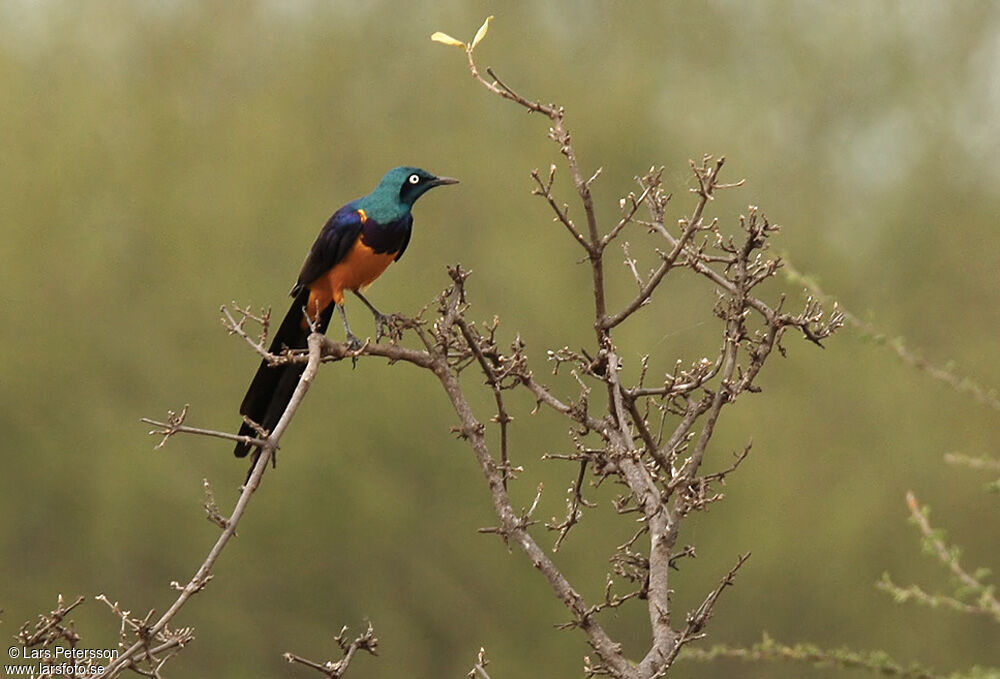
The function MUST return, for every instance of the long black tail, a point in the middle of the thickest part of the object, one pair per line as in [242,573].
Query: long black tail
[273,386]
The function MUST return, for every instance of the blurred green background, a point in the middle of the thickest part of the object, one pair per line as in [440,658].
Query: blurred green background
[160,159]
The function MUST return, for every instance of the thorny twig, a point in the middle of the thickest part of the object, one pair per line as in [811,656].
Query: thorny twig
[139,649]
[366,641]
[478,670]
[659,463]
[50,628]
[175,425]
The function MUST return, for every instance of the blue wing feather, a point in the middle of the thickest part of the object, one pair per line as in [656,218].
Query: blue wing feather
[332,244]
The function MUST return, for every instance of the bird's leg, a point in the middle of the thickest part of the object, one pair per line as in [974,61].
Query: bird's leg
[382,321]
[352,341]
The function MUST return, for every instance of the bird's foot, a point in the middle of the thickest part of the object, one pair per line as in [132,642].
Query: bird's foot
[355,346]
[387,325]
[353,342]
[382,323]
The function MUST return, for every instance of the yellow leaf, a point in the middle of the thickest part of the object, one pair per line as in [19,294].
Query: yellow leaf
[447,39]
[481,33]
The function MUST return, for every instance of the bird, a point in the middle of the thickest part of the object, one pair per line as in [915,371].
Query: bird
[354,247]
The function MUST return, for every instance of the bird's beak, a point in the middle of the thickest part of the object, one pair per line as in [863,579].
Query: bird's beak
[440,181]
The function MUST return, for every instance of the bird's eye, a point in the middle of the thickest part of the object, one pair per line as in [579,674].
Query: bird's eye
[414,179]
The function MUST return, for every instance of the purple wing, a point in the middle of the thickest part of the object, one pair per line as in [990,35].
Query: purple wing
[332,244]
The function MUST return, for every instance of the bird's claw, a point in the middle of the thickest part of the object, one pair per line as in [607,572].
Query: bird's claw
[382,322]
[385,326]
[354,345]
[353,342]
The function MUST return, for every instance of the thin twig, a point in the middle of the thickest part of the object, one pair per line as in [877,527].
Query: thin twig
[769,649]
[203,574]
[949,558]
[962,384]
[366,641]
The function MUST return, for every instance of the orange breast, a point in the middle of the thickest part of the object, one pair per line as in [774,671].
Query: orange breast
[356,271]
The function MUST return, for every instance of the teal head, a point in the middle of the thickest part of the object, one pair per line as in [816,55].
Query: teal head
[406,184]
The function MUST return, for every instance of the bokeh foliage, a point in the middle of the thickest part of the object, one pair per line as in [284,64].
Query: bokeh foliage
[159,159]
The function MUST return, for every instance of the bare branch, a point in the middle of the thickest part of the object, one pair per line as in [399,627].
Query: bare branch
[478,670]
[50,628]
[367,641]
[573,513]
[203,574]
[706,177]
[175,425]
[238,327]
[512,528]
[630,205]
[477,344]
[562,215]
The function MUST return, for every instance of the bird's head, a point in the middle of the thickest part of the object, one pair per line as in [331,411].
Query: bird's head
[406,184]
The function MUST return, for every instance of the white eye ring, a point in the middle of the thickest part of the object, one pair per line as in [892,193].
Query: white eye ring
[414,179]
